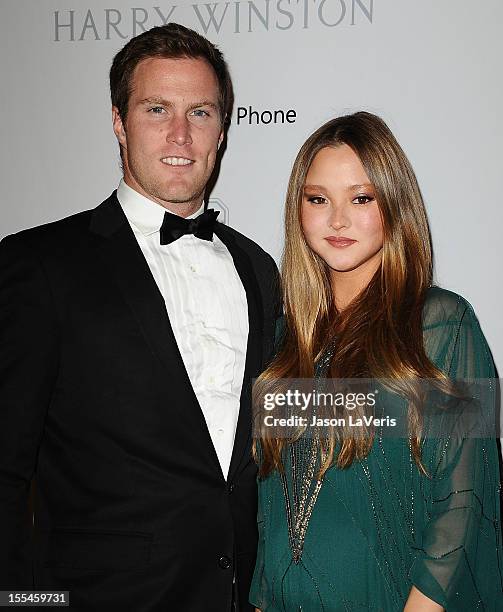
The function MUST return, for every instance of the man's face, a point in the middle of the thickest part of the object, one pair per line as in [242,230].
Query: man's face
[172,131]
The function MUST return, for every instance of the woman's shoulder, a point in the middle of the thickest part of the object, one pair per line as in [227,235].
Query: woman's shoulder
[443,307]
[453,339]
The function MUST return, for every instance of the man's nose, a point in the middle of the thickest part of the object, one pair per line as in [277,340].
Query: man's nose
[179,130]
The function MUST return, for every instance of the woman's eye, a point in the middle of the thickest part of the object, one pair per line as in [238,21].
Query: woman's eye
[316,199]
[362,199]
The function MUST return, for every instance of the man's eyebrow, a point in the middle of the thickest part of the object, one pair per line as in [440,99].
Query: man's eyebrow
[155,100]
[204,103]
[159,100]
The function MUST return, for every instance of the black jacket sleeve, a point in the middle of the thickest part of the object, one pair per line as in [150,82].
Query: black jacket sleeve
[28,371]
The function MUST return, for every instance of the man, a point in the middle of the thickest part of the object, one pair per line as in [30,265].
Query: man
[129,335]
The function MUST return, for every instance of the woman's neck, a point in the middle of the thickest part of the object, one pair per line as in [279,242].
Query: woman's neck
[347,285]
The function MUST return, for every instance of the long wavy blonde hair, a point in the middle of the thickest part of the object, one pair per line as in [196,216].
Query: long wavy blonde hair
[379,334]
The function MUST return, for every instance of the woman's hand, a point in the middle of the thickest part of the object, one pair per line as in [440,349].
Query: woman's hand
[417,602]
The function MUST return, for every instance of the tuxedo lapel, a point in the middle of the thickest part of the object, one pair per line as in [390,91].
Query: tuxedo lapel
[122,255]
[254,345]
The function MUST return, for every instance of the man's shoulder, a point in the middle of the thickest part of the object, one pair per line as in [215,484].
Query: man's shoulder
[266,274]
[52,235]
[254,250]
[51,230]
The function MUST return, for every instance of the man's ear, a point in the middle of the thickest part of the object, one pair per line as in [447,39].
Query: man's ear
[118,127]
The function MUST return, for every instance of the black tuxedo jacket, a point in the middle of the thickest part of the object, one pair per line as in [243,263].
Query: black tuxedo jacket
[131,509]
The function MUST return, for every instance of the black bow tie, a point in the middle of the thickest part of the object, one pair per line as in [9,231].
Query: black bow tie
[173,226]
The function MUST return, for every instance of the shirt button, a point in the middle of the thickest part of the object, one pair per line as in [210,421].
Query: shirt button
[211,380]
[193,268]
[220,431]
[224,562]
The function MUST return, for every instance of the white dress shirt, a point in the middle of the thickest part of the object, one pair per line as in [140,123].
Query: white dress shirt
[207,309]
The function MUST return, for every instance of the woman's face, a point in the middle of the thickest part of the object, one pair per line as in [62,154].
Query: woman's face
[340,216]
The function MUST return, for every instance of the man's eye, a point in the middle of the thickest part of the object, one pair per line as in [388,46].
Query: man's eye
[156,110]
[199,112]
[362,199]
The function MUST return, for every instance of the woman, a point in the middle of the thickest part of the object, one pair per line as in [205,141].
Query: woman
[352,519]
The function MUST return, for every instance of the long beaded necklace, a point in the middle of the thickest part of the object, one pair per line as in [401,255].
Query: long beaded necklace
[304,459]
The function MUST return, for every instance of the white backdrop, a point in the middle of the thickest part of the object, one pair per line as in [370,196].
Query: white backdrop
[430,68]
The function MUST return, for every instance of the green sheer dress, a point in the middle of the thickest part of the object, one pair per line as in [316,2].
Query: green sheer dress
[380,526]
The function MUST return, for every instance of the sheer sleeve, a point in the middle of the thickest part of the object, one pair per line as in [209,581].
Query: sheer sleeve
[257,586]
[459,557]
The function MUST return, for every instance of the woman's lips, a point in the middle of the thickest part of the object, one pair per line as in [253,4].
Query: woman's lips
[340,241]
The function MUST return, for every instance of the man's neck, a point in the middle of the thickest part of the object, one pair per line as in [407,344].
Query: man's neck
[182,209]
